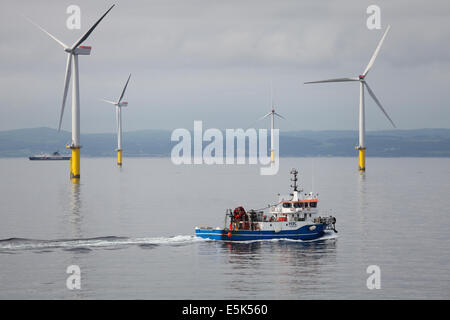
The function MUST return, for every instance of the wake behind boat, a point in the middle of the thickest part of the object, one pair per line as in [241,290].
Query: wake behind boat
[293,218]
[54,156]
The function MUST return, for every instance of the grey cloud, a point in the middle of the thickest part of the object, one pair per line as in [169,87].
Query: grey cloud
[209,59]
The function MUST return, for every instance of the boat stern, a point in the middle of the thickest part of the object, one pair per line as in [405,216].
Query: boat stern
[210,233]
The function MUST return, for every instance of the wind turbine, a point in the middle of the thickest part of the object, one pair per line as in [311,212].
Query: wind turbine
[119,104]
[72,69]
[272,125]
[363,84]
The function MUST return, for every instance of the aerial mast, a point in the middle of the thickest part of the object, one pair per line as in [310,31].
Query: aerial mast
[294,172]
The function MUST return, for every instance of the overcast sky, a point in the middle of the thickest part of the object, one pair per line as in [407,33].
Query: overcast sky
[214,60]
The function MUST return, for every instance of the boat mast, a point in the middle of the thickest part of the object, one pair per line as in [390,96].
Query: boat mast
[294,172]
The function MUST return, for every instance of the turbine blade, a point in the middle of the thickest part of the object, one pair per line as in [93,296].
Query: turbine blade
[379,104]
[86,35]
[334,80]
[124,88]
[279,115]
[66,87]
[48,33]
[374,56]
[264,116]
[108,101]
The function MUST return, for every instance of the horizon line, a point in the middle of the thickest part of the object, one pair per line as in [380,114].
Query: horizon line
[284,131]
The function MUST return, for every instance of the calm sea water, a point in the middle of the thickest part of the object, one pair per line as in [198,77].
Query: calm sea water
[130,230]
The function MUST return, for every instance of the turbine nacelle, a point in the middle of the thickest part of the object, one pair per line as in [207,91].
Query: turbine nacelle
[82,50]
[362,77]
[123,104]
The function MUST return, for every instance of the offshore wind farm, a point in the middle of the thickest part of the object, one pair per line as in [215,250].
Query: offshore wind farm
[127,231]
[72,72]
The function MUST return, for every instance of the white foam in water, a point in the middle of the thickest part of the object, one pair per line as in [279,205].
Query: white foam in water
[24,244]
[167,240]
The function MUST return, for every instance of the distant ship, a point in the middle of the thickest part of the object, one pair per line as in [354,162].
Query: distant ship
[293,218]
[54,156]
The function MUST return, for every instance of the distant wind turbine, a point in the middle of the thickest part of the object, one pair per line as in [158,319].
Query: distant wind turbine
[119,104]
[72,69]
[363,84]
[272,125]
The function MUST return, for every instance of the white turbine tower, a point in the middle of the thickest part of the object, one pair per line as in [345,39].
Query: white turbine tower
[119,104]
[363,84]
[72,69]
[272,125]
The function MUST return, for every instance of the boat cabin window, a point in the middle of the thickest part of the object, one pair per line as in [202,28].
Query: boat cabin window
[286,205]
[306,204]
[313,204]
[298,204]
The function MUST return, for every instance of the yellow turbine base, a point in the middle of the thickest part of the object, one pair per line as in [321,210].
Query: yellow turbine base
[272,156]
[75,164]
[119,158]
[362,159]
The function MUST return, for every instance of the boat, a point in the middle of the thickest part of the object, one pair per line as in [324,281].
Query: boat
[294,217]
[54,156]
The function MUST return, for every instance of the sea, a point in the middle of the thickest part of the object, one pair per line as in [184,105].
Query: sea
[128,233]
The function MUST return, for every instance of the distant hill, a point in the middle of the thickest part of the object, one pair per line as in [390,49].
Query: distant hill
[156,143]
[25,142]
